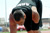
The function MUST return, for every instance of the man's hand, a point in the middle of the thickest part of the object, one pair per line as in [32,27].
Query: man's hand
[35,15]
[12,24]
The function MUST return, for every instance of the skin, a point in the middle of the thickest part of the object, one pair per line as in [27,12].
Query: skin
[35,18]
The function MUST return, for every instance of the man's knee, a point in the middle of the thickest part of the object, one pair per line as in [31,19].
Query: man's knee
[30,31]
[33,31]
[36,17]
[36,31]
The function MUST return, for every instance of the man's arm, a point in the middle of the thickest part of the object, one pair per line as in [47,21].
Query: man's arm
[39,9]
[12,24]
[35,15]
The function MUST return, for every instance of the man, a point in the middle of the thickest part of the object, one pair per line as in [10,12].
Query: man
[25,13]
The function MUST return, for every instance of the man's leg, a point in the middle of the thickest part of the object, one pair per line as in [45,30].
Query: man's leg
[35,27]
[28,27]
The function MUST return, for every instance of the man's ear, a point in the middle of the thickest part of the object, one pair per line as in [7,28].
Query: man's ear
[24,16]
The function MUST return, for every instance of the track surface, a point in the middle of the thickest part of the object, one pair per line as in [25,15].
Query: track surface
[41,32]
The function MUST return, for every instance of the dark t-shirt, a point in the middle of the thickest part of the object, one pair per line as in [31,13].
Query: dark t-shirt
[33,3]
[29,24]
[27,10]
[26,5]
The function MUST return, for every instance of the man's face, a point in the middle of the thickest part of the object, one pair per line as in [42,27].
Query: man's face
[21,21]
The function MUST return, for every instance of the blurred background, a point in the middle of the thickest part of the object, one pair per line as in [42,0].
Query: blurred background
[6,7]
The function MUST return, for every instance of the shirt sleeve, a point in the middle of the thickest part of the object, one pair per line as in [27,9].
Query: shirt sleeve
[39,9]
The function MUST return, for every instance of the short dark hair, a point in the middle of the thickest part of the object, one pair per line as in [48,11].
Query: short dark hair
[18,14]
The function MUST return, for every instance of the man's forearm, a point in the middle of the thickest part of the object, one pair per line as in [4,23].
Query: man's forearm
[12,24]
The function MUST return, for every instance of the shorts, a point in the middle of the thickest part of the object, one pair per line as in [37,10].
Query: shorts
[31,26]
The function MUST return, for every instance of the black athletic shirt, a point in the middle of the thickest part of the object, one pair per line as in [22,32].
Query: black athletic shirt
[33,3]
[26,9]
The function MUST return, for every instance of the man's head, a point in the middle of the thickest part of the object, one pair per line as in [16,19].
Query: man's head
[19,17]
